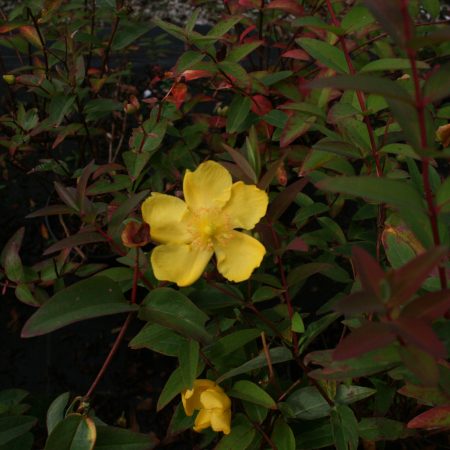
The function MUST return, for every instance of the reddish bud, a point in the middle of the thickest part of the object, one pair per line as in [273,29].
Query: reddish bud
[135,234]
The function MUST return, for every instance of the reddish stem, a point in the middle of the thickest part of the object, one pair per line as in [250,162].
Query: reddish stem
[110,356]
[285,285]
[420,107]
[116,247]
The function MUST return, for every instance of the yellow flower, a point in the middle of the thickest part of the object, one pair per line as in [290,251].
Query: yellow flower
[191,231]
[213,405]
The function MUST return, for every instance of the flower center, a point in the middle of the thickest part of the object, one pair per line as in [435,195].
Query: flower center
[209,225]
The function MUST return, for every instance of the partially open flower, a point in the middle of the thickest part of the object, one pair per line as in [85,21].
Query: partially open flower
[213,405]
[135,234]
[9,79]
[132,105]
[443,135]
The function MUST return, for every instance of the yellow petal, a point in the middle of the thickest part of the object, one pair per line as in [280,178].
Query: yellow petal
[203,420]
[209,186]
[215,399]
[221,420]
[167,217]
[246,206]
[238,256]
[191,397]
[180,263]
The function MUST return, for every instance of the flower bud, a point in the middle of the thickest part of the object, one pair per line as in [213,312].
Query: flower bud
[135,234]
[132,106]
[443,135]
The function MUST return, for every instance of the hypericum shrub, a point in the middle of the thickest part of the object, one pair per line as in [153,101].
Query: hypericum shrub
[276,217]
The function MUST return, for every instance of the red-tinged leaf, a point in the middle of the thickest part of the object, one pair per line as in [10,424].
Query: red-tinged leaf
[419,334]
[407,280]
[249,3]
[425,395]
[7,27]
[69,130]
[178,94]
[429,307]
[190,75]
[82,183]
[421,364]
[368,270]
[82,238]
[31,35]
[272,172]
[52,210]
[435,418]
[359,303]
[246,32]
[296,126]
[284,199]
[301,55]
[288,6]
[371,336]
[261,105]
[242,163]
[298,245]
[30,80]
[68,195]
[107,168]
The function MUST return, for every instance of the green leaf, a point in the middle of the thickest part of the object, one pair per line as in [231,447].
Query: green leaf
[277,355]
[172,309]
[325,53]
[151,139]
[187,60]
[393,192]
[135,162]
[317,436]
[297,125]
[241,435]
[10,259]
[251,392]
[230,343]
[390,64]
[350,394]
[365,83]
[241,51]
[55,412]
[404,150]
[188,354]
[282,436]
[75,432]
[372,362]
[14,426]
[437,85]
[128,33]
[223,26]
[237,113]
[23,442]
[344,428]
[158,339]
[111,438]
[297,325]
[382,429]
[308,404]
[101,107]
[94,297]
